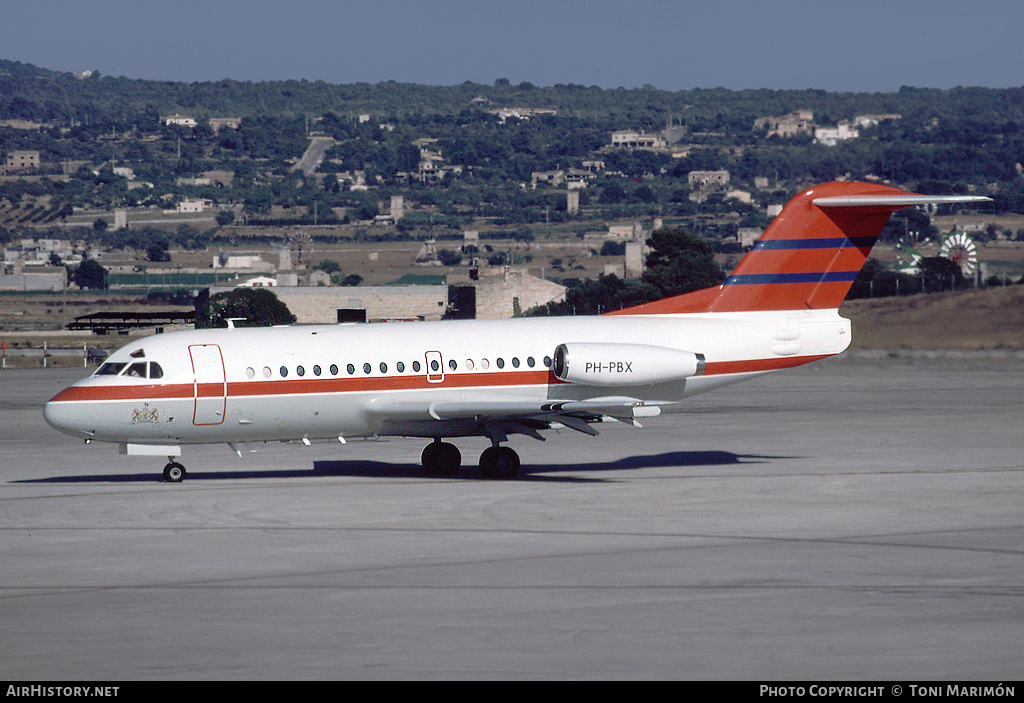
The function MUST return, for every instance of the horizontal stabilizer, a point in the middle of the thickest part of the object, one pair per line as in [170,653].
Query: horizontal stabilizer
[898,201]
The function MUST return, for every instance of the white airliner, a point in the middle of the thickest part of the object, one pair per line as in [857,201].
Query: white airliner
[492,378]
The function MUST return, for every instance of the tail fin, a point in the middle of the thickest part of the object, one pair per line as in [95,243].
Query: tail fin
[810,254]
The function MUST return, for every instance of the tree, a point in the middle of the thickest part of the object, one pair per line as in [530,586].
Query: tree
[680,262]
[90,275]
[258,307]
[939,273]
[329,265]
[157,251]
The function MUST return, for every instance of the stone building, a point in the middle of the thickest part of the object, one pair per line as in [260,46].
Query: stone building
[511,292]
[20,160]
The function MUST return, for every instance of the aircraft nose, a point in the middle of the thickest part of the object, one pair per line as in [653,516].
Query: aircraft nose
[65,415]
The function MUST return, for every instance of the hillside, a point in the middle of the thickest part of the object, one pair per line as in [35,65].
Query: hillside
[992,318]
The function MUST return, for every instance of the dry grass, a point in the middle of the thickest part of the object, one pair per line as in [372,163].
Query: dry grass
[981,319]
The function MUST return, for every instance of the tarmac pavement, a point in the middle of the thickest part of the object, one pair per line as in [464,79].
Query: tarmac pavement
[856,519]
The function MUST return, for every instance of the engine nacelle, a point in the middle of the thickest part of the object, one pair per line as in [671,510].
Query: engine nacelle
[601,364]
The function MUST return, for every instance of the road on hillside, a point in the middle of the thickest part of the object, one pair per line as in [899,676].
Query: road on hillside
[314,155]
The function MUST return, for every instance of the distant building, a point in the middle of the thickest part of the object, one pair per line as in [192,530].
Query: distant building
[503,295]
[830,136]
[333,304]
[50,279]
[19,160]
[632,139]
[230,122]
[253,262]
[547,178]
[872,120]
[182,120]
[27,125]
[258,282]
[797,122]
[520,113]
[191,206]
[704,179]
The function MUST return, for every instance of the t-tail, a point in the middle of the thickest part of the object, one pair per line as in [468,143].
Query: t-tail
[809,256]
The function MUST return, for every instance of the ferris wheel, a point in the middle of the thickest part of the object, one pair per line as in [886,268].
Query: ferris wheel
[959,248]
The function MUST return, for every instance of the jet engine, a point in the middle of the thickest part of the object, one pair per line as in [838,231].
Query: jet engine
[601,364]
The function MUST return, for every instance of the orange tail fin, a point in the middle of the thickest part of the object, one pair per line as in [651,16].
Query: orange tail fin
[810,254]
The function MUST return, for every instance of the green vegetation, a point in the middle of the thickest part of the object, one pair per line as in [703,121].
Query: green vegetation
[943,141]
[250,307]
[459,164]
[678,262]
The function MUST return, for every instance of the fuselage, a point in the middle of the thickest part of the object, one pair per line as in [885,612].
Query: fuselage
[339,381]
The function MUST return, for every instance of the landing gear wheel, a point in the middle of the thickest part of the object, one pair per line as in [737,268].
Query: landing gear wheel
[441,458]
[499,463]
[174,472]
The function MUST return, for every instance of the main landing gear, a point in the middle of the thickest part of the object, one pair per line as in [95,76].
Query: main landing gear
[174,472]
[444,459]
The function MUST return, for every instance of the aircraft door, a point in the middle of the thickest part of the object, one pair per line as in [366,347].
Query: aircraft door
[210,384]
[435,367]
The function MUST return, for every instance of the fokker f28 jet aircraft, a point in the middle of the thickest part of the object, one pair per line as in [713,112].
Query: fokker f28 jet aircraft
[492,378]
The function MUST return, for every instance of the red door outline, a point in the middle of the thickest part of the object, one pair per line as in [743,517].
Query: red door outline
[435,375]
[209,384]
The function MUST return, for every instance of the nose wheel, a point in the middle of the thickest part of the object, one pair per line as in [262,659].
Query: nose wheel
[174,472]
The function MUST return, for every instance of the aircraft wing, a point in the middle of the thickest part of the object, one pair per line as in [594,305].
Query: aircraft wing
[507,412]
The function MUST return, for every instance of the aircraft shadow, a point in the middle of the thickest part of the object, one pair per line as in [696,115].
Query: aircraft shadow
[380,469]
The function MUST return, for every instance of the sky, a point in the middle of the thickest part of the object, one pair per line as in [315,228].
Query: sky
[855,45]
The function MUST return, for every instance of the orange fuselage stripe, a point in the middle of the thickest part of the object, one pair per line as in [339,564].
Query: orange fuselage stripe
[288,387]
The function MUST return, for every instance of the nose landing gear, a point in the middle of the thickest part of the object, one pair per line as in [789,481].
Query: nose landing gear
[174,472]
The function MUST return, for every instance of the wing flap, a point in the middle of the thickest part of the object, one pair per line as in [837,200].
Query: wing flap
[615,406]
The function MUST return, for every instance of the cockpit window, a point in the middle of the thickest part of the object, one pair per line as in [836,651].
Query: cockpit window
[137,370]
